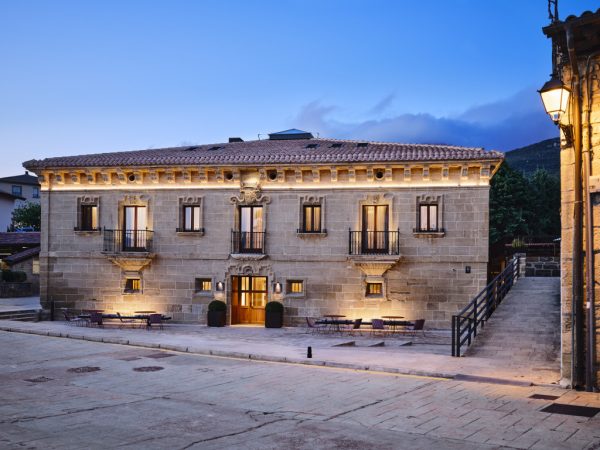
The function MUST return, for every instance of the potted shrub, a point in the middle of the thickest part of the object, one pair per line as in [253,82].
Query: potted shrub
[217,311]
[274,315]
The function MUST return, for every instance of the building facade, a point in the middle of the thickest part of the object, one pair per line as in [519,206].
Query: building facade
[14,192]
[361,229]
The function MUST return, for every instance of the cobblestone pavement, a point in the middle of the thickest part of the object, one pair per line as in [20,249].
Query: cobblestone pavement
[68,394]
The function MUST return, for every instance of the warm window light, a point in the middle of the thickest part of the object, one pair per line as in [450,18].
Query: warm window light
[555,97]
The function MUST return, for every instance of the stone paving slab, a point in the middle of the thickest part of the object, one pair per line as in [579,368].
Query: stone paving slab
[427,356]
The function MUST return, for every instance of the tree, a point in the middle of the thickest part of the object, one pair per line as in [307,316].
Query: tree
[27,215]
[510,201]
[545,205]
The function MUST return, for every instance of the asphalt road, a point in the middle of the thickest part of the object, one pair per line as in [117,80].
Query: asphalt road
[70,394]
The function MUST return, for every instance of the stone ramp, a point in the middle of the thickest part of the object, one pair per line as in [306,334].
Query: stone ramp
[525,329]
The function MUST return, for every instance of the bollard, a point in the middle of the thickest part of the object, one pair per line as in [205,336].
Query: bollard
[309,352]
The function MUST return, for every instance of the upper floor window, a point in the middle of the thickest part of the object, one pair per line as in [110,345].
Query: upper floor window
[36,192]
[17,190]
[428,217]
[88,218]
[191,218]
[311,219]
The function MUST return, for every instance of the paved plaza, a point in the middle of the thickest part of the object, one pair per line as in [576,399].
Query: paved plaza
[66,393]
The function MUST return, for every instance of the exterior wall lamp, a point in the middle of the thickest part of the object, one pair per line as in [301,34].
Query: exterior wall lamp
[555,98]
[278,288]
[220,286]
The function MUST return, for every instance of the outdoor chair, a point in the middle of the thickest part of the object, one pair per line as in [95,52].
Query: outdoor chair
[96,319]
[72,320]
[378,326]
[313,327]
[417,326]
[355,328]
[125,322]
[154,320]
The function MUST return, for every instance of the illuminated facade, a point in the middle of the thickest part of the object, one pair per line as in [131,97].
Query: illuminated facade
[362,229]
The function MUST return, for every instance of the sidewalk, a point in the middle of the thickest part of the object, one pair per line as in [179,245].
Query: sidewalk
[426,356]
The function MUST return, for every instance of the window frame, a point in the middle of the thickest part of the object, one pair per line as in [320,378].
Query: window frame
[36,192]
[194,214]
[83,217]
[288,287]
[198,285]
[374,294]
[428,228]
[17,190]
[313,228]
[132,290]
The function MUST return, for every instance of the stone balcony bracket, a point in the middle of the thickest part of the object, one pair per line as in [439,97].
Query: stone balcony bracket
[374,265]
[248,256]
[131,262]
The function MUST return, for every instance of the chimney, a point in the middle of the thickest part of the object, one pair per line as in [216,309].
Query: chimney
[235,139]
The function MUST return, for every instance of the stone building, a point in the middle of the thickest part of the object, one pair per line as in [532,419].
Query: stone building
[362,229]
[576,62]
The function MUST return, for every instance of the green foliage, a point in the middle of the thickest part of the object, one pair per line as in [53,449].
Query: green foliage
[522,207]
[27,215]
[274,307]
[14,277]
[217,305]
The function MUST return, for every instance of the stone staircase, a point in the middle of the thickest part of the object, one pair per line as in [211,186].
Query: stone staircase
[25,315]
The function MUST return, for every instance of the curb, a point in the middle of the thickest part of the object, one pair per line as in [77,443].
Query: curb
[277,359]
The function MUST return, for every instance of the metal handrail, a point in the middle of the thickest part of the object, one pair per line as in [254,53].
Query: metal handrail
[481,308]
[117,241]
[373,242]
[248,241]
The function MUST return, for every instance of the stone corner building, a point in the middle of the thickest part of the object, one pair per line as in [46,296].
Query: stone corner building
[576,61]
[362,229]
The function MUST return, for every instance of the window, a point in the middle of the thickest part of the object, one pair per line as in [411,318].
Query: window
[88,218]
[133,285]
[17,190]
[428,217]
[295,287]
[35,268]
[374,289]
[311,222]
[203,285]
[191,218]
[36,192]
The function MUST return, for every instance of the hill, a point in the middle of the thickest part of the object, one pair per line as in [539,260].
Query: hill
[541,155]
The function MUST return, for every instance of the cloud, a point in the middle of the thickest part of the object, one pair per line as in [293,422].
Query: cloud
[503,125]
[383,104]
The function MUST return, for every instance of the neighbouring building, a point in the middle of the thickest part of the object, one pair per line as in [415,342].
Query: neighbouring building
[362,229]
[20,252]
[576,62]
[14,192]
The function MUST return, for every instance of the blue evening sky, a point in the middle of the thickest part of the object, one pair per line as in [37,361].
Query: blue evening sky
[85,77]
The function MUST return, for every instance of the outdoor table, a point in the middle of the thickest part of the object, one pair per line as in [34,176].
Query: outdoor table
[393,323]
[335,322]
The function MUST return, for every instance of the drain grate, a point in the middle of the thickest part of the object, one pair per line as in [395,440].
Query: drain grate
[84,369]
[158,355]
[148,369]
[571,410]
[544,397]
[129,358]
[39,379]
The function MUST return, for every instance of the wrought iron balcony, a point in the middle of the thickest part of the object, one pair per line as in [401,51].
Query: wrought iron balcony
[374,242]
[248,242]
[119,241]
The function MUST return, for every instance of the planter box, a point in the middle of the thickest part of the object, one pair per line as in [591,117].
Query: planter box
[273,319]
[216,318]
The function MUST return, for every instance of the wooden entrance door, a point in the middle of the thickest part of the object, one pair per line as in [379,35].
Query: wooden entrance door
[248,299]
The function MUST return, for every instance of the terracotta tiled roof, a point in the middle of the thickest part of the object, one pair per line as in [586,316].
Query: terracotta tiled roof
[29,238]
[22,256]
[300,151]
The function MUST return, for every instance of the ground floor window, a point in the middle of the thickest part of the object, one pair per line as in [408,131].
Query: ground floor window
[133,285]
[203,285]
[295,287]
[374,289]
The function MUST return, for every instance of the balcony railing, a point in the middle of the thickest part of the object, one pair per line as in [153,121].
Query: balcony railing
[374,242]
[247,242]
[117,241]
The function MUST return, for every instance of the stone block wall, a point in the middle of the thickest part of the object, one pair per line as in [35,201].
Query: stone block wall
[434,277]
[542,266]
